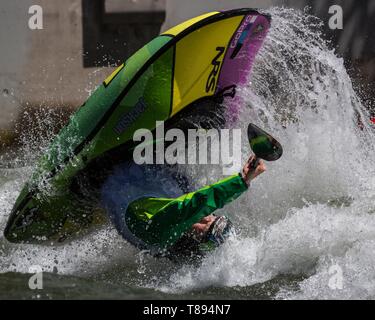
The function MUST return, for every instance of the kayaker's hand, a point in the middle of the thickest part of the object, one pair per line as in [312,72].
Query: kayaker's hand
[249,173]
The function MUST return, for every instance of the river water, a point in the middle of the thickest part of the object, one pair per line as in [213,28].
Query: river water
[306,228]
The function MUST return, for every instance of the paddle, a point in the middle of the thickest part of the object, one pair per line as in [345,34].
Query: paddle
[263,145]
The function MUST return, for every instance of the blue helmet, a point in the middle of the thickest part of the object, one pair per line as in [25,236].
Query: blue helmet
[219,230]
[188,245]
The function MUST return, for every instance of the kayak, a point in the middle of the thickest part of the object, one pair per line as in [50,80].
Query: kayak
[200,60]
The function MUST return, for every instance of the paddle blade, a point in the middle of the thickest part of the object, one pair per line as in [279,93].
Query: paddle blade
[263,144]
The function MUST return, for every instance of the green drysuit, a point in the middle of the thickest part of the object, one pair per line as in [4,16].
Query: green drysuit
[160,222]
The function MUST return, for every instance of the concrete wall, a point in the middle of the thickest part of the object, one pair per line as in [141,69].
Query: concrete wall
[47,67]
[42,66]
[14,52]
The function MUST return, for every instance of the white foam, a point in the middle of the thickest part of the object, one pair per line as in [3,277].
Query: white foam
[314,207]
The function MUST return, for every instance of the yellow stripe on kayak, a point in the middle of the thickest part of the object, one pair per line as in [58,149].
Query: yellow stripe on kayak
[194,61]
[181,27]
[107,81]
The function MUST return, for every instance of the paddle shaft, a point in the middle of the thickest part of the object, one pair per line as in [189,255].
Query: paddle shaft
[254,163]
